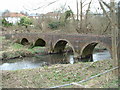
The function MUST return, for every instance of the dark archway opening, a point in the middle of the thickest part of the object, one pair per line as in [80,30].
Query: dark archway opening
[62,46]
[40,42]
[95,52]
[64,52]
[24,41]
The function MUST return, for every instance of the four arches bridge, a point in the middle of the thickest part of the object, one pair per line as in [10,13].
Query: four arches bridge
[82,45]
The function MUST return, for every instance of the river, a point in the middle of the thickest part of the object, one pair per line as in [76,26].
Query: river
[39,61]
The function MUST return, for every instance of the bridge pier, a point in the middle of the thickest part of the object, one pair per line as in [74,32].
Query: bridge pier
[87,58]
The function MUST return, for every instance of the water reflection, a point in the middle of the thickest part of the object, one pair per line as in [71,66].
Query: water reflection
[39,61]
[101,55]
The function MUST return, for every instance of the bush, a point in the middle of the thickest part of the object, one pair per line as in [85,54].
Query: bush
[55,25]
[5,23]
[25,21]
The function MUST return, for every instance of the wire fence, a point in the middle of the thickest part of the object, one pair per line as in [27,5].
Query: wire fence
[84,79]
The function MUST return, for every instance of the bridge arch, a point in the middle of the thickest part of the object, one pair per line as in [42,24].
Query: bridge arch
[24,41]
[40,42]
[87,50]
[60,45]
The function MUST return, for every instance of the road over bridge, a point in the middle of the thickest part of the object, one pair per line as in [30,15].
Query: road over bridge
[82,45]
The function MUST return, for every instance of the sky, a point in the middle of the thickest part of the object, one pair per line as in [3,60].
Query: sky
[29,5]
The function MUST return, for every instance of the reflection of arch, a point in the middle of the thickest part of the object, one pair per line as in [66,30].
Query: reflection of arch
[60,44]
[24,41]
[87,50]
[40,42]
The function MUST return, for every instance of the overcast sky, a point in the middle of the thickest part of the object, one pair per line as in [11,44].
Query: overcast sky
[23,5]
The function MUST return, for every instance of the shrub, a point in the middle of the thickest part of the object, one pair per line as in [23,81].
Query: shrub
[55,25]
[5,23]
[25,21]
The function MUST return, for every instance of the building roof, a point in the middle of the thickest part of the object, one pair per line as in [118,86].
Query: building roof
[14,14]
[51,14]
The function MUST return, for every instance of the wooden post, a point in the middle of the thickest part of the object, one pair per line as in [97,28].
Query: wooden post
[118,19]
[119,16]
[114,33]
[86,16]
[77,9]
[81,4]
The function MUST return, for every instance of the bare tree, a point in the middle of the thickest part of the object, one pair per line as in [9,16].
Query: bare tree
[114,27]
[114,33]
[77,9]
[81,14]
[86,16]
[43,6]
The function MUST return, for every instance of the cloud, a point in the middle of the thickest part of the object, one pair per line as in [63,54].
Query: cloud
[17,5]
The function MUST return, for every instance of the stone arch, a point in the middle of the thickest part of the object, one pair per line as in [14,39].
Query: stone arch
[60,44]
[87,50]
[24,41]
[40,42]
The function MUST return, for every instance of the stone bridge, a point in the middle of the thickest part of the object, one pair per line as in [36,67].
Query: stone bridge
[82,45]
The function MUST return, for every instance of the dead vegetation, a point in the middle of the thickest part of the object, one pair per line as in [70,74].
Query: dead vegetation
[60,74]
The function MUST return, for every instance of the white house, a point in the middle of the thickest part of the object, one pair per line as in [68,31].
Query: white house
[13,17]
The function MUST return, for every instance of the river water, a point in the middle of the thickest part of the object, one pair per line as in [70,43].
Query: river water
[39,61]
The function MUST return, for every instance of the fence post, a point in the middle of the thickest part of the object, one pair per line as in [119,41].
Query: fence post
[114,33]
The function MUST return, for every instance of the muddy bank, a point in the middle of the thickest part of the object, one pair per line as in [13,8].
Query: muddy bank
[19,54]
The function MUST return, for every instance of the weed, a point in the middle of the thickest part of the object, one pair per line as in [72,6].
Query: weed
[2,38]
[17,46]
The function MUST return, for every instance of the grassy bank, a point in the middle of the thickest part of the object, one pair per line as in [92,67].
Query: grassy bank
[59,74]
[18,50]
[14,50]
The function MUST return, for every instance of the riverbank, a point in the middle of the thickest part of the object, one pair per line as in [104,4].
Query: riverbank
[59,74]
[14,50]
[12,54]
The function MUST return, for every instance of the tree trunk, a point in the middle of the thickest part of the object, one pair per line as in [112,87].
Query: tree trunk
[114,35]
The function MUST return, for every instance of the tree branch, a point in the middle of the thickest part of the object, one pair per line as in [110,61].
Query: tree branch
[87,12]
[105,11]
[72,13]
[44,6]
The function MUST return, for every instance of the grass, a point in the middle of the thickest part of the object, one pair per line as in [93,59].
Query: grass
[59,74]
[17,46]
[14,50]
[37,49]
[2,38]
[111,84]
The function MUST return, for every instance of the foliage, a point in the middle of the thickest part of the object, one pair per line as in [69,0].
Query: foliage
[2,38]
[55,25]
[25,21]
[5,23]
[60,23]
[17,46]
[68,13]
